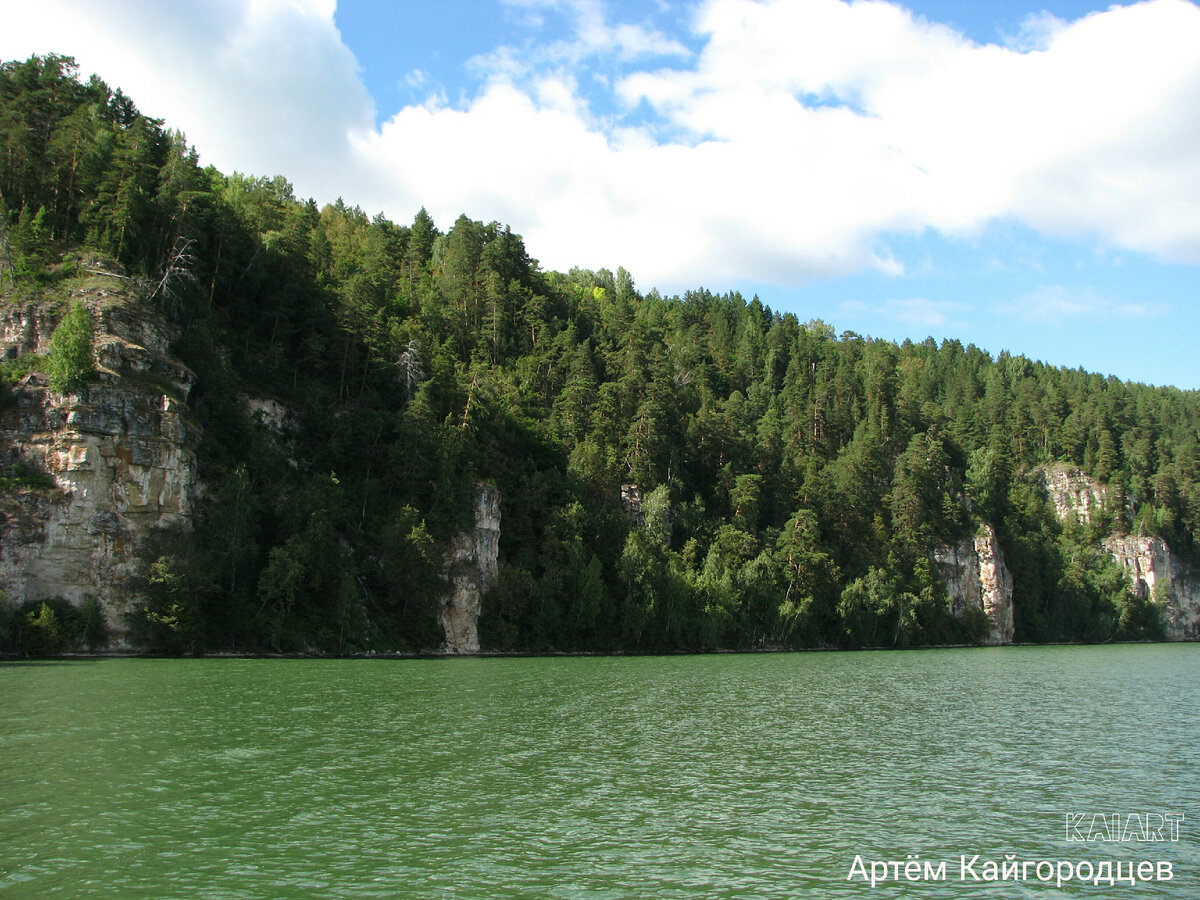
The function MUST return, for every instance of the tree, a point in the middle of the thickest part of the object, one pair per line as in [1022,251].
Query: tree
[656,511]
[411,368]
[43,633]
[414,363]
[70,363]
[167,611]
[807,610]
[6,249]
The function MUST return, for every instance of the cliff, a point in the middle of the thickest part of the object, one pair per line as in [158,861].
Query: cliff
[1155,573]
[471,570]
[1074,496]
[108,465]
[976,577]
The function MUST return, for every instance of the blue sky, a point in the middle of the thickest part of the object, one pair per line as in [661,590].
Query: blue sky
[392,40]
[1021,176]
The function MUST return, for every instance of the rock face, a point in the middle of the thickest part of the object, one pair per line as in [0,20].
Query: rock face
[976,577]
[1073,494]
[1154,573]
[472,569]
[1159,577]
[120,453]
[632,497]
[271,413]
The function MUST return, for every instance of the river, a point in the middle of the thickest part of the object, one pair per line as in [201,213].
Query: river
[716,776]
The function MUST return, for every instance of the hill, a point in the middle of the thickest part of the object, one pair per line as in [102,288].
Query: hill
[334,395]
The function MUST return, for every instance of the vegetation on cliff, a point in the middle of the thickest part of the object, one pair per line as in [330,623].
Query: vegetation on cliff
[794,481]
[70,361]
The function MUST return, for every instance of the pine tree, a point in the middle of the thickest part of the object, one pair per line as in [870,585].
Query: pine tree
[70,363]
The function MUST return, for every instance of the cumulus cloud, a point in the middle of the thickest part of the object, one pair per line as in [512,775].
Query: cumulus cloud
[1090,133]
[592,40]
[594,35]
[805,133]
[791,145]
[259,86]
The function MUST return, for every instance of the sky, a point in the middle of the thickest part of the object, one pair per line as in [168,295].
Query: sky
[1023,176]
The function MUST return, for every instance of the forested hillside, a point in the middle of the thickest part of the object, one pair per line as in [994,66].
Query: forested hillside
[795,479]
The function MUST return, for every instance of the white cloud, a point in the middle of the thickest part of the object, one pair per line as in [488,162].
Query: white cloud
[593,34]
[1037,32]
[1055,303]
[260,86]
[1093,133]
[802,133]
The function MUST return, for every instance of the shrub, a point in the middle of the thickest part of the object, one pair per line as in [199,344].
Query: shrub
[70,362]
[43,634]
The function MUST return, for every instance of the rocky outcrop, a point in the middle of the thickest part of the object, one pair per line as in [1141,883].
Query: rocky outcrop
[471,570]
[975,576]
[1157,576]
[1154,573]
[268,412]
[632,498]
[1074,495]
[119,455]
[26,328]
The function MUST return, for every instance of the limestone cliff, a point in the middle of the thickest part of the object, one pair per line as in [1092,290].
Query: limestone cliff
[1158,576]
[119,454]
[471,570]
[1155,574]
[1073,494]
[975,576]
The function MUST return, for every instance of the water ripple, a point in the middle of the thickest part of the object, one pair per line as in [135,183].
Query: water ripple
[676,777]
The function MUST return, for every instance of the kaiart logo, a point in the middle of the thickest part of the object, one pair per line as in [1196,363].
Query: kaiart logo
[1121,827]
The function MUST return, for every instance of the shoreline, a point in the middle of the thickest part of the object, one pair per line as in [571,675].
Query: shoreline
[552,654]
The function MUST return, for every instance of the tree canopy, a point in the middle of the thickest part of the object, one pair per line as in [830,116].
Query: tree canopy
[795,481]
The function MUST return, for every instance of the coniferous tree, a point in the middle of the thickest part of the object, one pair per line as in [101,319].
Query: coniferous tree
[71,361]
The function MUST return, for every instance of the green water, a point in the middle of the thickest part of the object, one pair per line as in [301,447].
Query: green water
[712,776]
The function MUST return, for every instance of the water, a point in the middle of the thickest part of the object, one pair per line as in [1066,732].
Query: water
[665,777]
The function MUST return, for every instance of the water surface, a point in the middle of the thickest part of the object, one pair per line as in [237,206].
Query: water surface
[666,777]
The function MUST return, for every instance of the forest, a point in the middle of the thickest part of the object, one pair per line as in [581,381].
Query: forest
[795,479]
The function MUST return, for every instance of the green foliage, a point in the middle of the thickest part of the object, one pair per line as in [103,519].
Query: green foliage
[22,475]
[93,629]
[15,368]
[656,513]
[165,618]
[71,361]
[8,624]
[43,634]
[40,627]
[796,481]
[876,612]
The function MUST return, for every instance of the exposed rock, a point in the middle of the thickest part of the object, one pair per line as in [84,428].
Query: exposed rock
[120,453]
[1154,573]
[472,569]
[271,413]
[26,328]
[1075,496]
[976,577]
[631,501]
[1159,577]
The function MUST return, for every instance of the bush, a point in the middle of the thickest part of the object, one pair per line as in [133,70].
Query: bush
[70,363]
[8,624]
[165,619]
[40,627]
[92,626]
[22,474]
[43,634]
